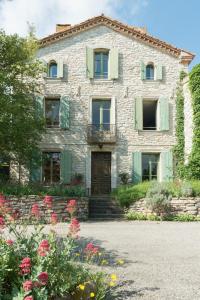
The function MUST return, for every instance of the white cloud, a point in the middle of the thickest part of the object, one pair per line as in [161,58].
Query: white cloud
[44,14]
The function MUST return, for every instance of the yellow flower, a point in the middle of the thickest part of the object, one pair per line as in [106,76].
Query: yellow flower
[77,254]
[113,277]
[100,253]
[81,287]
[111,284]
[92,295]
[104,262]
[120,262]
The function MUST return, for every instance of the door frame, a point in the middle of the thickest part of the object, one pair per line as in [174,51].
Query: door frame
[113,165]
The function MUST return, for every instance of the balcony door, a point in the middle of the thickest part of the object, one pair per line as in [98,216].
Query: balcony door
[101,173]
[101,114]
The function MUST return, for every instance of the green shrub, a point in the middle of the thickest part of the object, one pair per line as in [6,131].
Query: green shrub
[133,215]
[185,218]
[137,216]
[158,199]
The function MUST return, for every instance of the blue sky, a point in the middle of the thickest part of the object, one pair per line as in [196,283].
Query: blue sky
[176,22]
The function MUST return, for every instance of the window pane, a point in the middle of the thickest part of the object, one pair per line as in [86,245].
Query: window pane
[97,66]
[150,166]
[51,167]
[150,72]
[46,167]
[106,116]
[101,65]
[97,106]
[149,115]
[105,65]
[95,112]
[55,167]
[52,108]
[53,70]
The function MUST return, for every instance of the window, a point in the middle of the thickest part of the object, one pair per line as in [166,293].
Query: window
[51,167]
[53,69]
[52,108]
[149,115]
[150,72]
[101,64]
[101,114]
[150,166]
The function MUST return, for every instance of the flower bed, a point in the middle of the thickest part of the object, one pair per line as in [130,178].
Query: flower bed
[39,266]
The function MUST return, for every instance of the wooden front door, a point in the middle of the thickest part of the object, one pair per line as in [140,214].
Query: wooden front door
[101,173]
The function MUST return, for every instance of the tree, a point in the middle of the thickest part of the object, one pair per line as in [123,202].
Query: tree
[21,127]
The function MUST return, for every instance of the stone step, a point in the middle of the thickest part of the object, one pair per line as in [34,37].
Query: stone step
[98,216]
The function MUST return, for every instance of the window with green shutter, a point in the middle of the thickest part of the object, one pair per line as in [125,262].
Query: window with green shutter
[113,66]
[167,165]
[164,113]
[138,113]
[64,112]
[66,166]
[159,72]
[90,62]
[51,167]
[101,64]
[136,167]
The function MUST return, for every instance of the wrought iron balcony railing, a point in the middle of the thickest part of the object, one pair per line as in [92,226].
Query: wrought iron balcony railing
[101,134]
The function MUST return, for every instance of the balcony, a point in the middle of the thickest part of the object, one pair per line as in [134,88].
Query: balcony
[101,134]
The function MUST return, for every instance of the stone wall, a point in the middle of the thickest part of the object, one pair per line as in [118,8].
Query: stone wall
[24,204]
[190,205]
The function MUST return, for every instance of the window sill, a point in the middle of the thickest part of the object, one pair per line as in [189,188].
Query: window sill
[100,81]
[151,80]
[153,131]
[52,79]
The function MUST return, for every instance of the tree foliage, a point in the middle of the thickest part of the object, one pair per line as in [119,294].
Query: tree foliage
[20,127]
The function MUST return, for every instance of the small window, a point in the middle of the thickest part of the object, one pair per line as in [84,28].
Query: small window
[101,114]
[150,166]
[52,108]
[101,64]
[150,72]
[51,167]
[53,69]
[149,115]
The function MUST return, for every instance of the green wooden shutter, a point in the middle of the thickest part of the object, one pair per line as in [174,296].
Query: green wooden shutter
[136,167]
[64,112]
[167,166]
[138,113]
[164,113]
[143,71]
[113,64]
[45,67]
[90,62]
[66,166]
[60,68]
[159,72]
[35,167]
[39,105]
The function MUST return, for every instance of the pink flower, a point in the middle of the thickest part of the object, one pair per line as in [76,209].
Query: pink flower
[2,200]
[25,266]
[71,206]
[29,298]
[43,278]
[2,222]
[48,201]
[54,218]
[35,210]
[90,249]
[28,285]
[74,228]
[9,242]
[43,248]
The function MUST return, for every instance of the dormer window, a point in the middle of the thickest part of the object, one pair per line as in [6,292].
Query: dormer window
[52,69]
[150,72]
[101,64]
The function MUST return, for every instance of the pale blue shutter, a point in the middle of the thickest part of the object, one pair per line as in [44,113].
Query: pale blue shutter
[35,166]
[90,62]
[138,113]
[164,113]
[66,167]
[60,68]
[113,63]
[159,72]
[167,165]
[143,71]
[64,112]
[136,167]
[39,105]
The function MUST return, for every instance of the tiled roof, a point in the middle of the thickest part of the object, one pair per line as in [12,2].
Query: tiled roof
[127,30]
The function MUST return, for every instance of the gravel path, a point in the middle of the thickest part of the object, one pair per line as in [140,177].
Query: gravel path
[163,259]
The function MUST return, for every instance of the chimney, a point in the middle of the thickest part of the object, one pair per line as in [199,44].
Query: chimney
[61,27]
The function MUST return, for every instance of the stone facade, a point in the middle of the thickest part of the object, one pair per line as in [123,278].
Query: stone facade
[190,205]
[122,92]
[24,205]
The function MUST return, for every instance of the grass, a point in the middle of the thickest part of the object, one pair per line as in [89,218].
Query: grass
[138,216]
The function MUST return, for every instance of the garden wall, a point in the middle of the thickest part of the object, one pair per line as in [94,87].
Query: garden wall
[183,205]
[24,204]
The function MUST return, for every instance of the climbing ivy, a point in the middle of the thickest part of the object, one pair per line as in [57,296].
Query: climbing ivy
[180,140]
[193,169]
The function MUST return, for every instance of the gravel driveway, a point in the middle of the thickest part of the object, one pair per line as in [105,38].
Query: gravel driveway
[163,259]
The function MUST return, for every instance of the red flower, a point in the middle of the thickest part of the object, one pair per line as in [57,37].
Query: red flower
[29,298]
[2,222]
[25,266]
[28,285]
[43,248]
[48,201]
[9,242]
[71,206]
[54,218]
[35,211]
[2,200]
[90,249]
[74,228]
[43,278]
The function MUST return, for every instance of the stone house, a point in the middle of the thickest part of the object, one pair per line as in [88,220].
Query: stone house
[109,101]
